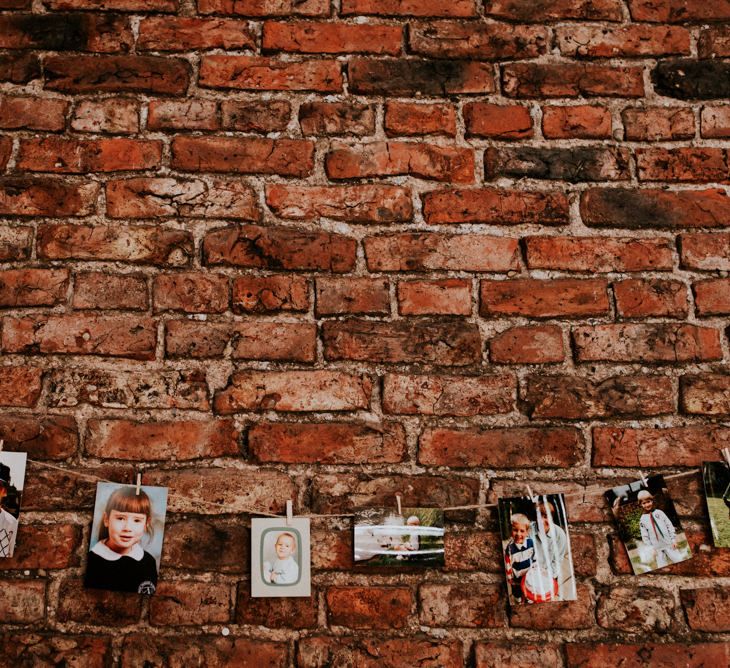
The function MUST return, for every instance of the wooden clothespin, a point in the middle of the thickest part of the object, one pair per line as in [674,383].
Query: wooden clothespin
[398,502]
[644,481]
[139,483]
[529,493]
[289,512]
[1,444]
[725,454]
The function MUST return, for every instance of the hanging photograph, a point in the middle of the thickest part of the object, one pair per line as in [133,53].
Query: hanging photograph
[648,524]
[536,547]
[716,476]
[126,538]
[12,477]
[280,558]
[413,537]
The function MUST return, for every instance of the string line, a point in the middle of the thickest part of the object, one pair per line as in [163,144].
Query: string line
[251,511]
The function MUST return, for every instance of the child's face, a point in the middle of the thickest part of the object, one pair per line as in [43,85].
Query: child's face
[284,547]
[519,533]
[647,504]
[125,530]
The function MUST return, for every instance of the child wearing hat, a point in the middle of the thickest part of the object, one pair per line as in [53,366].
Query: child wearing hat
[658,531]
[8,523]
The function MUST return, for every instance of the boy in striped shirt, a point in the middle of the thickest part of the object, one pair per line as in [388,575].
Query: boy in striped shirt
[519,554]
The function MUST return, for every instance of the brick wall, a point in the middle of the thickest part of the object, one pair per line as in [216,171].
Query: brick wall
[335,250]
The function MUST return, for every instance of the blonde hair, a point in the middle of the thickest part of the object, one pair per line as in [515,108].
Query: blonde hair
[519,518]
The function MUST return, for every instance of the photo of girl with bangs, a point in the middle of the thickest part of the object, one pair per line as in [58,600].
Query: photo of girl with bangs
[128,527]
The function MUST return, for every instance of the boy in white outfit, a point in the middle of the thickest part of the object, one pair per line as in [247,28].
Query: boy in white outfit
[658,531]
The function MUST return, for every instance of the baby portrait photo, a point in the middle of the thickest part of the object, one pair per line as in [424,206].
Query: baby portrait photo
[536,546]
[12,476]
[413,537]
[280,558]
[648,524]
[126,538]
[716,476]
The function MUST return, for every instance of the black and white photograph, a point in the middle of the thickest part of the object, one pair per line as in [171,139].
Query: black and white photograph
[12,479]
[280,558]
[126,538]
[716,476]
[648,524]
[536,548]
[411,537]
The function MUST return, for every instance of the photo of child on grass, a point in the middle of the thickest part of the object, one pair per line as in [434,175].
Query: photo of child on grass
[413,537]
[648,524]
[716,476]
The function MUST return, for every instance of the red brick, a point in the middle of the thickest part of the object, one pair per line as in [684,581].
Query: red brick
[658,123]
[6,148]
[473,551]
[265,7]
[497,121]
[574,398]
[20,68]
[187,114]
[706,609]
[448,342]
[291,341]
[664,655]
[150,441]
[113,115]
[256,116]
[332,550]
[649,447]
[20,386]
[636,609]
[189,603]
[208,543]
[369,607]
[293,391]
[116,74]
[490,654]
[270,294]
[500,448]
[450,296]
[276,613]
[146,649]
[714,42]
[600,254]
[15,242]
[23,601]
[15,4]
[71,156]
[468,605]
[583,121]
[392,158]
[715,122]
[112,336]
[279,248]
[478,41]
[678,11]
[651,208]
[352,295]
[555,10]
[287,157]
[136,244]
[448,395]
[682,164]
[544,299]
[311,37]
[712,297]
[662,342]
[638,298]
[94,290]
[709,252]
[46,197]
[576,614]
[167,33]
[190,293]
[410,119]
[337,118]
[539,344]
[495,207]
[260,73]
[33,113]
[114,5]
[583,550]
[409,7]
[364,652]
[328,443]
[429,251]
[72,650]
[355,204]
[708,394]
[50,437]
[622,42]
[33,287]
[404,78]
[530,80]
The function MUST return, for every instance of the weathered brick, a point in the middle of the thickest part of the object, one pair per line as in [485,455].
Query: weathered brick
[337,118]
[33,113]
[497,121]
[473,550]
[450,296]
[576,614]
[636,609]
[96,290]
[369,607]
[96,606]
[682,164]
[112,336]
[114,5]
[167,33]
[23,601]
[112,115]
[33,287]
[269,294]
[609,655]
[555,10]
[311,37]
[293,391]
[352,295]
[50,437]
[490,654]
[500,448]
[255,116]
[678,11]
[46,197]
[539,344]
[328,443]
[708,394]
[409,7]
[39,549]
[207,543]
[706,609]
[188,114]
[190,292]
[637,298]
[662,342]
[265,7]
[583,121]
[692,79]
[622,42]
[332,550]
[276,613]
[20,68]
[712,297]
[534,298]
[72,650]
[658,123]
[20,386]
[714,42]
[708,252]
[715,122]
[411,119]
[468,605]
[189,603]
[15,242]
